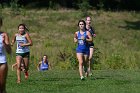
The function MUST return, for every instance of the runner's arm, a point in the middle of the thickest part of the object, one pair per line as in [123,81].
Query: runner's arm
[75,37]
[7,43]
[89,39]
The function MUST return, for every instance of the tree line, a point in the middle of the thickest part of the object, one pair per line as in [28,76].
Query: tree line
[98,4]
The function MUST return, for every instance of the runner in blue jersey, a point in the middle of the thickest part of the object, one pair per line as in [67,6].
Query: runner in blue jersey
[91,44]
[22,52]
[43,64]
[82,37]
[4,46]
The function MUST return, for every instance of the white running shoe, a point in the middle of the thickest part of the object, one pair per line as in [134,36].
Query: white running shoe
[82,78]
[90,74]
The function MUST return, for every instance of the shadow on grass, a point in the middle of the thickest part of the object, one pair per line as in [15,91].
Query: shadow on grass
[131,25]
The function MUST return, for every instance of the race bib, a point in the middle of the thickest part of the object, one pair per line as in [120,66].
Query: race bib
[20,47]
[81,42]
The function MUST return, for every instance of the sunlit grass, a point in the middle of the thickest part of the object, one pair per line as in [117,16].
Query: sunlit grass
[52,31]
[117,43]
[68,81]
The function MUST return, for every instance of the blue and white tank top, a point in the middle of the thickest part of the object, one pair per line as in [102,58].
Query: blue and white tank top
[21,39]
[82,44]
[44,66]
[2,51]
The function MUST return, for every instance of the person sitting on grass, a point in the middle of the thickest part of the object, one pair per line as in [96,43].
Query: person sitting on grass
[43,65]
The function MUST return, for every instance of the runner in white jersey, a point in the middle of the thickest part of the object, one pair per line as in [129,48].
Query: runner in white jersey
[21,39]
[22,52]
[4,45]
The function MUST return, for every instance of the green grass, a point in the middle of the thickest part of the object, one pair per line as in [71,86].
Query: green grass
[60,81]
[52,31]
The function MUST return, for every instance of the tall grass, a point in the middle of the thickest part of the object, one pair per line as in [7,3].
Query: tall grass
[52,32]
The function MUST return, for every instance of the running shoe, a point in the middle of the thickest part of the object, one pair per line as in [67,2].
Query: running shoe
[90,74]
[82,78]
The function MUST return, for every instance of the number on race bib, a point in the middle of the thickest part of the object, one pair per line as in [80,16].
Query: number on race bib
[20,47]
[81,42]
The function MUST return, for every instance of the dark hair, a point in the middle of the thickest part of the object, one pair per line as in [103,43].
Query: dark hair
[1,21]
[43,56]
[25,27]
[82,21]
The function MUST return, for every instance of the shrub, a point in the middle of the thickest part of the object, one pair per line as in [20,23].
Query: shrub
[84,7]
[115,61]
[14,7]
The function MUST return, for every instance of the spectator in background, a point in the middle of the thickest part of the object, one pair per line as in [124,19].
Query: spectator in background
[44,64]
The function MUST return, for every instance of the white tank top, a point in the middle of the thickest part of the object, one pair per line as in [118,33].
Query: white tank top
[2,51]
[21,39]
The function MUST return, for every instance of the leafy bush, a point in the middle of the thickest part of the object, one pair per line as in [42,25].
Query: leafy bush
[74,62]
[115,61]
[96,59]
[84,7]
[15,7]
[64,65]
[54,6]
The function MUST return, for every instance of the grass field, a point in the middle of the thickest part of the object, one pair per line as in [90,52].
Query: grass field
[60,81]
[117,44]
[52,33]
